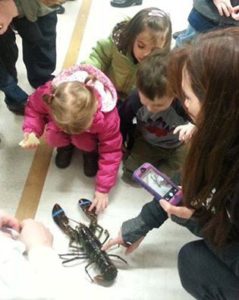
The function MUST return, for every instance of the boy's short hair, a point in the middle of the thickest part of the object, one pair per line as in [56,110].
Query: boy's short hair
[151,76]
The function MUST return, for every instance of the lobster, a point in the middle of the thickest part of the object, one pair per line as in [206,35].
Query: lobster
[86,244]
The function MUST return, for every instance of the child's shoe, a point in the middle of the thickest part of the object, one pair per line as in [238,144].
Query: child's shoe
[90,163]
[127,178]
[64,156]
[59,9]
[16,108]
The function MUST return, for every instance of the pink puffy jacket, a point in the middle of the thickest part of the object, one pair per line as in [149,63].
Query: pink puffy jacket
[104,131]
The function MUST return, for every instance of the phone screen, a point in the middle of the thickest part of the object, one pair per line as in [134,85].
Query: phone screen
[156,182]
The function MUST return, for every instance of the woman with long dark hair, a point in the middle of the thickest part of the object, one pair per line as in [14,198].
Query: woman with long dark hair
[205,76]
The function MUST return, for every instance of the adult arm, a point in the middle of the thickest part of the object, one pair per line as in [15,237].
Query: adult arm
[32,276]
[134,230]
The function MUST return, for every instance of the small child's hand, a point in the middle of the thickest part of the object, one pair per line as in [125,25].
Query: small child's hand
[30,141]
[224,7]
[100,202]
[185,132]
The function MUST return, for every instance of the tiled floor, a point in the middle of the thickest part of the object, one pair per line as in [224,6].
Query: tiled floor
[151,272]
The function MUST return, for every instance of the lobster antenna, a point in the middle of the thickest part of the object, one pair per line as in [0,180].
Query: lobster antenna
[74,221]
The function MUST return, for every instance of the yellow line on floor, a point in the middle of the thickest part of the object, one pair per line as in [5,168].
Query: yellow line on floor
[34,184]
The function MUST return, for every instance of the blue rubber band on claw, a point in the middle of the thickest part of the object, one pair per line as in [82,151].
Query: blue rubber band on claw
[56,213]
[83,202]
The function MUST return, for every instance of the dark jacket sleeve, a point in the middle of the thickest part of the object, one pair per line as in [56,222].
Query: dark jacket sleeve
[151,216]
[127,112]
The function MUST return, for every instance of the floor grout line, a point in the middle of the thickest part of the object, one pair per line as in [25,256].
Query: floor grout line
[34,184]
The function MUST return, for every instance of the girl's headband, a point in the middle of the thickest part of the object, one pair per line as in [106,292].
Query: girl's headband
[157,13]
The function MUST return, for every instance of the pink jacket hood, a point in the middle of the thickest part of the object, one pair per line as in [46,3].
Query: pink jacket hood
[103,87]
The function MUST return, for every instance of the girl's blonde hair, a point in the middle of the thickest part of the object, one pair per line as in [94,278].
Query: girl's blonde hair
[72,105]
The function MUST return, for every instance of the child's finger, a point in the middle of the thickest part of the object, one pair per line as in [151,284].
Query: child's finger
[92,206]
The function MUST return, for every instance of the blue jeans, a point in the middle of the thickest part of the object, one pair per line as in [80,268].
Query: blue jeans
[186,36]
[207,276]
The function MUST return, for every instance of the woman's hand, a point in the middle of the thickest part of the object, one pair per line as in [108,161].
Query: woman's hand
[100,202]
[35,234]
[224,7]
[119,241]
[185,132]
[178,211]
[8,221]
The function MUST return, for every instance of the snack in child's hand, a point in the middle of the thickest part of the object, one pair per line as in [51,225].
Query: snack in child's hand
[30,141]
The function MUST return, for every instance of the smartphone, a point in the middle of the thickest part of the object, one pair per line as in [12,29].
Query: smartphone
[157,183]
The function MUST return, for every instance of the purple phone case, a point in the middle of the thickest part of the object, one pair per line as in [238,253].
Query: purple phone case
[147,166]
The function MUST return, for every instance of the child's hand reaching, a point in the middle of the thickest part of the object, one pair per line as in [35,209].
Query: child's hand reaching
[100,202]
[185,132]
[30,141]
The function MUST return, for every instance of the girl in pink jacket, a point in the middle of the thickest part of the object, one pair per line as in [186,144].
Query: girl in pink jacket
[78,109]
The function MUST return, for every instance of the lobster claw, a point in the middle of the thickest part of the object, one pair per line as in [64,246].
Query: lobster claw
[85,205]
[60,218]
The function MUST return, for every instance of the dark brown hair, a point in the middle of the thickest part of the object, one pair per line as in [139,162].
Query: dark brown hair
[212,166]
[151,76]
[153,18]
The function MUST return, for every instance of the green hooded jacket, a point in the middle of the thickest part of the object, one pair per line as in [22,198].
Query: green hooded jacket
[120,68]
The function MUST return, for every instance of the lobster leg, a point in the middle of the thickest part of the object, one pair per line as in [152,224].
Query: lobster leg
[120,258]
[76,256]
[107,235]
[86,267]
[94,227]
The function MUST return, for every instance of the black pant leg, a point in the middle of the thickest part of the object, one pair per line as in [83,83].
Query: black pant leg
[8,53]
[15,97]
[204,275]
[39,47]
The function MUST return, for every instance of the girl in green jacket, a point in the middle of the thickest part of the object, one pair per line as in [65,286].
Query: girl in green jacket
[131,41]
